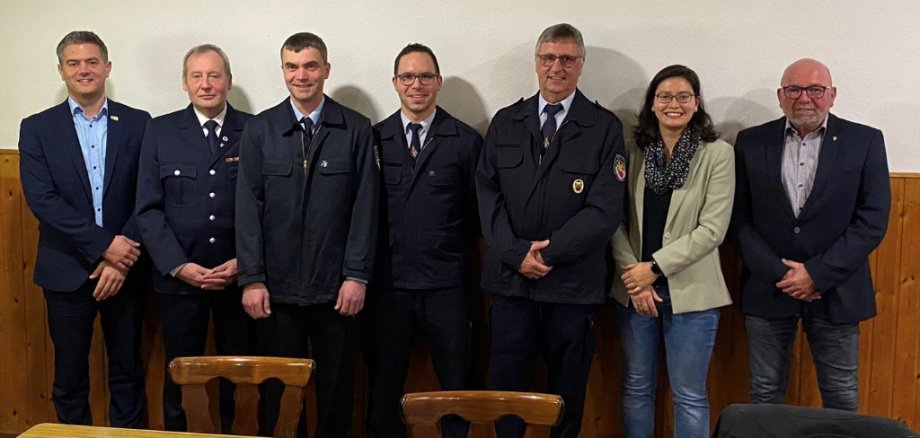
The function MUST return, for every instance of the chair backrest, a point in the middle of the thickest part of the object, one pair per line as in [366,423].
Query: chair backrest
[422,410]
[247,372]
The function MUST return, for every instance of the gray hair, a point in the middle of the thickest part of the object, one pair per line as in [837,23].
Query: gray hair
[202,49]
[561,31]
[82,37]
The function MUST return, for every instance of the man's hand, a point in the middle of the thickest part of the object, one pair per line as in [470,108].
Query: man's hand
[110,281]
[122,253]
[221,276]
[638,276]
[644,300]
[255,300]
[797,283]
[193,274]
[533,266]
[351,297]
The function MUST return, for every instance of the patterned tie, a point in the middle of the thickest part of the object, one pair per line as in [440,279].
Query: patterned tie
[415,146]
[549,127]
[307,129]
[211,126]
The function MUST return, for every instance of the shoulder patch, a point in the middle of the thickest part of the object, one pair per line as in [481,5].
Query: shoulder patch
[619,167]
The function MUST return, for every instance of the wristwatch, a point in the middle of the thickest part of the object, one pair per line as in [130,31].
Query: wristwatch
[655,268]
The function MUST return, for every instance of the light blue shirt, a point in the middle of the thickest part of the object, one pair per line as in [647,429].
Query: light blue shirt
[92,134]
[422,133]
[314,116]
[560,116]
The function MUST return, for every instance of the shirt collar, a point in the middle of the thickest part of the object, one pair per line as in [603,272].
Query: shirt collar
[76,110]
[219,118]
[425,123]
[820,131]
[314,115]
[566,103]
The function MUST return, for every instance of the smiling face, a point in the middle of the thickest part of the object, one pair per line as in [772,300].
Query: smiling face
[806,114]
[305,72]
[558,82]
[207,83]
[417,100]
[674,116]
[84,71]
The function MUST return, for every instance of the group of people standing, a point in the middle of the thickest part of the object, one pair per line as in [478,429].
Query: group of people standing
[308,215]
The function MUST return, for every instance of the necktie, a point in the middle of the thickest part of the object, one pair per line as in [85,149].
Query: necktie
[211,126]
[307,129]
[549,127]
[415,146]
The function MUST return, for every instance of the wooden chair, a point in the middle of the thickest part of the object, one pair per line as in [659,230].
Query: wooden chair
[247,372]
[422,410]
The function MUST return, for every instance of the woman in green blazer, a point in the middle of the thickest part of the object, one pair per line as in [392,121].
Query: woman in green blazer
[670,281]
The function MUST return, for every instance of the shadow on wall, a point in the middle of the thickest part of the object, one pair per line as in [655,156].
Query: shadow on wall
[240,100]
[461,100]
[743,110]
[616,82]
[355,98]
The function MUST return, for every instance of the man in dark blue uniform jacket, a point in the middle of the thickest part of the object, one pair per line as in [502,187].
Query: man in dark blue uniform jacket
[78,164]
[811,203]
[185,211]
[429,231]
[550,186]
[306,215]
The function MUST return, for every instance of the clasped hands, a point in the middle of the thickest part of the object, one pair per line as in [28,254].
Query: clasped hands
[533,266]
[111,272]
[797,283]
[638,279]
[216,278]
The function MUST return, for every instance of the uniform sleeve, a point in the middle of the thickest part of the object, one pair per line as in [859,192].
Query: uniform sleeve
[602,212]
[46,202]
[362,232]
[867,226]
[493,214]
[250,200]
[158,238]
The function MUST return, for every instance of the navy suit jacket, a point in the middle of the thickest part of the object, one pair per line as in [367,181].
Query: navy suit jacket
[843,220]
[57,190]
[428,214]
[574,198]
[179,219]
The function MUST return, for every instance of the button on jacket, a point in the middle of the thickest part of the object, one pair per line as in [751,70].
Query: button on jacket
[185,195]
[306,212]
[573,197]
[429,221]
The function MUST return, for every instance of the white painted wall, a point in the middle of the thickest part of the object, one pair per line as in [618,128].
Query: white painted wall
[485,48]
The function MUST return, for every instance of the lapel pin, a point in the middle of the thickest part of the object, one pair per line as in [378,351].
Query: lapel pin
[578,185]
[323,163]
[114,118]
[224,138]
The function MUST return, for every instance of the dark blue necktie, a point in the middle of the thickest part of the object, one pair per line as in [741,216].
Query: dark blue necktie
[307,129]
[211,126]
[549,127]
[415,145]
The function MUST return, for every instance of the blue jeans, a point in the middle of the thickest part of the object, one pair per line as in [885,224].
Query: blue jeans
[688,342]
[835,348]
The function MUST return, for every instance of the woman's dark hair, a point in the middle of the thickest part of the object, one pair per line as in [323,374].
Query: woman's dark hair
[647,130]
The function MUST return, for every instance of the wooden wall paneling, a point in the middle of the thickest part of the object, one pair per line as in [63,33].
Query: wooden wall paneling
[904,401]
[881,381]
[13,405]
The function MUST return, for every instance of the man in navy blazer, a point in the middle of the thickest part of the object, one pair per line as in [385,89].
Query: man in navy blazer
[812,201]
[185,210]
[429,230]
[78,166]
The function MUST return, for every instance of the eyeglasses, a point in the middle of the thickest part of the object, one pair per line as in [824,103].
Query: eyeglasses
[549,59]
[813,91]
[680,98]
[409,79]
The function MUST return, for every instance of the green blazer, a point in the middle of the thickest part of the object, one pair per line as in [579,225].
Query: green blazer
[697,221]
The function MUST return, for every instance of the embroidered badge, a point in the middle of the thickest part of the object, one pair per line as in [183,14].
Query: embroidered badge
[232,159]
[619,167]
[578,185]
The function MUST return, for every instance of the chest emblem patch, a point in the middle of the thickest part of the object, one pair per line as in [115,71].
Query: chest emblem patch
[619,167]
[578,185]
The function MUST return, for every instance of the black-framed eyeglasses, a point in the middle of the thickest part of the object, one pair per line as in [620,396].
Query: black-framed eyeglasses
[409,78]
[680,98]
[813,91]
[549,59]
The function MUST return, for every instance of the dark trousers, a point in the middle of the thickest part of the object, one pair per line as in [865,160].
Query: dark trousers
[334,341]
[70,322]
[185,330]
[564,333]
[394,316]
